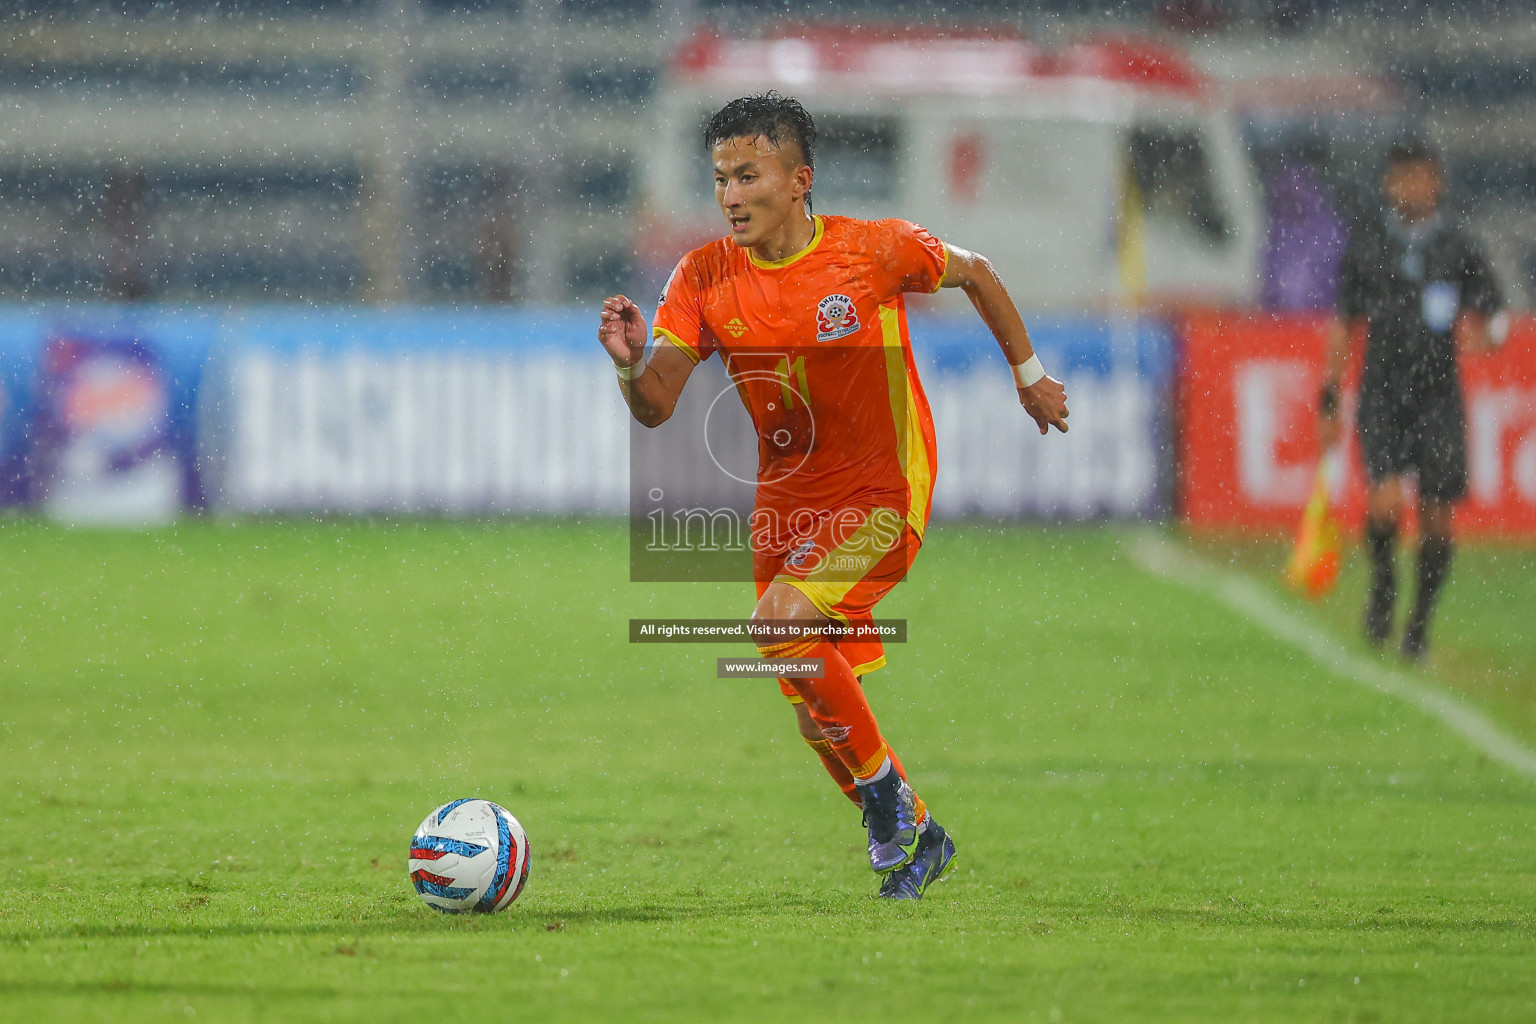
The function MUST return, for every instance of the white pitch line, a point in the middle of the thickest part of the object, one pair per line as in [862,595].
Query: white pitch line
[1162,557]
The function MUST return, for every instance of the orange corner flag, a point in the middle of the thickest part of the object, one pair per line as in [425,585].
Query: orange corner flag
[1314,565]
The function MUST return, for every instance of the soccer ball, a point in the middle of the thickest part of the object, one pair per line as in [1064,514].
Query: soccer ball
[469,855]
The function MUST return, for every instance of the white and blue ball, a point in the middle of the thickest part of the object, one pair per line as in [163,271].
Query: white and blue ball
[469,855]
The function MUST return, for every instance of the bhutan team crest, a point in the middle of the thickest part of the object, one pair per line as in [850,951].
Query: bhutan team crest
[835,318]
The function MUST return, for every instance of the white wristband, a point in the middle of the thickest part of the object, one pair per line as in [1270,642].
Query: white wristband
[1028,373]
[631,372]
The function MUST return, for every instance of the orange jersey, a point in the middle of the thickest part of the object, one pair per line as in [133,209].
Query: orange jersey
[817,345]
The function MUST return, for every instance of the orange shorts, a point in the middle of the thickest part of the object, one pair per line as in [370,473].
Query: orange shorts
[845,566]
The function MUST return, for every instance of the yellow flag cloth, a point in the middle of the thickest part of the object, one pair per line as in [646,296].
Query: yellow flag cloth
[1314,565]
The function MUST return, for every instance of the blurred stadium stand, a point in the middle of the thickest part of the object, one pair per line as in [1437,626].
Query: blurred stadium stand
[452,150]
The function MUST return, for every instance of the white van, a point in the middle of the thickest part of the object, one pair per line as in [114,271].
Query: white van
[1100,175]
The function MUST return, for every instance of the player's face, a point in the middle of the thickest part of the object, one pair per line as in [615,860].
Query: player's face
[1413,189]
[757,185]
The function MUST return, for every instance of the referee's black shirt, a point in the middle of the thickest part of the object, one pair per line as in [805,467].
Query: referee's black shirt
[1410,283]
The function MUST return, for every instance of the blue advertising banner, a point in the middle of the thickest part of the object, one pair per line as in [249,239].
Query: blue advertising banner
[128,414]
[98,411]
[415,410]
[1115,462]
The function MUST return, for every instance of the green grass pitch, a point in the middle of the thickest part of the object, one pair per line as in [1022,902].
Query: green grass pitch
[218,739]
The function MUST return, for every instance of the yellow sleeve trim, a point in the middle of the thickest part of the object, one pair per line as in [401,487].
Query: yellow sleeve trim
[689,350]
[945,272]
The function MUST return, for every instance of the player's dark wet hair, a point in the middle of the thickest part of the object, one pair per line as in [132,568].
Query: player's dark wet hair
[779,119]
[1410,149]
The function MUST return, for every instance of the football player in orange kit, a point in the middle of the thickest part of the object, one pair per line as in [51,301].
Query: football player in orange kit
[807,314]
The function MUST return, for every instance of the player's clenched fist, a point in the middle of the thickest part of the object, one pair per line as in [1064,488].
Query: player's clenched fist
[622,330]
[1046,402]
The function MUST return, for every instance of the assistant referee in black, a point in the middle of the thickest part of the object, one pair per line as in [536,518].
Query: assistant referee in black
[1422,287]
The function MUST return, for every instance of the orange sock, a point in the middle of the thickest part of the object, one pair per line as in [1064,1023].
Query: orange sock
[852,748]
[837,705]
[835,768]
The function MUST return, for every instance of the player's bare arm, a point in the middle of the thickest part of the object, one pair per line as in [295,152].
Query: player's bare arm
[1046,399]
[652,391]
[1340,332]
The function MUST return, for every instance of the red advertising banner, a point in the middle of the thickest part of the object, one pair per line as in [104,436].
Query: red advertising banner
[1248,450]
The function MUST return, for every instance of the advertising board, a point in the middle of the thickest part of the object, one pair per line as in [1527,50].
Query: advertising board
[1248,389]
[98,411]
[130,414]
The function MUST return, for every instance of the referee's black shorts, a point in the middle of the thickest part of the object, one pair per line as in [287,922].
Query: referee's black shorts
[1425,435]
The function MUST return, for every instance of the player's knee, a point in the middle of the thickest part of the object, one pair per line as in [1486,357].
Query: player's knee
[1435,518]
[1385,504]
[808,727]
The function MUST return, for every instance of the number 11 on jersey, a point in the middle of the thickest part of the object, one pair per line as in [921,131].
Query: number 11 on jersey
[791,374]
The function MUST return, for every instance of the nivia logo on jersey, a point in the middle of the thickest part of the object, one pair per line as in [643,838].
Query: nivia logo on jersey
[835,318]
